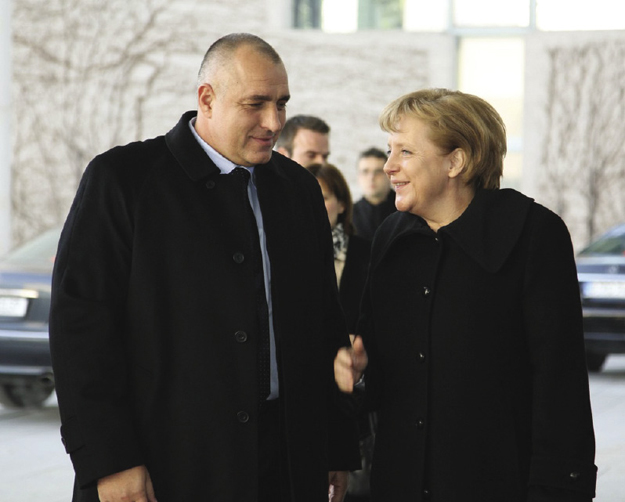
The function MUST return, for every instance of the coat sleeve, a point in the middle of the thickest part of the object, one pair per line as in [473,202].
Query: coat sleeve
[86,334]
[562,464]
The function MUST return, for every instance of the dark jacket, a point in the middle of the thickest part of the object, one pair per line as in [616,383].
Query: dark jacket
[353,279]
[368,217]
[153,330]
[476,351]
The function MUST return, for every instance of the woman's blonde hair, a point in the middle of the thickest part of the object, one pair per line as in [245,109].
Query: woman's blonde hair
[457,120]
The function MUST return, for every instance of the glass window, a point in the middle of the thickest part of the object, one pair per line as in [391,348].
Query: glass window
[37,253]
[492,68]
[491,13]
[425,15]
[307,13]
[580,14]
[340,16]
[380,14]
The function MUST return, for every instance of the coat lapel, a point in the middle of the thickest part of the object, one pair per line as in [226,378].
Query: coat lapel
[490,227]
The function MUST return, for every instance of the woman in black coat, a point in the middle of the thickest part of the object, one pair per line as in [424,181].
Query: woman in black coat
[472,323]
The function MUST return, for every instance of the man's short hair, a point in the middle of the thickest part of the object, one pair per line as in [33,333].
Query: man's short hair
[220,52]
[373,152]
[294,124]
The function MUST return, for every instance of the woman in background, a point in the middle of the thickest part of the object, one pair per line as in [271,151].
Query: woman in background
[351,260]
[351,253]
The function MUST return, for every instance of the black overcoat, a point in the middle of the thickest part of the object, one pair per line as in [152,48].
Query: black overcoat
[153,330]
[354,278]
[476,352]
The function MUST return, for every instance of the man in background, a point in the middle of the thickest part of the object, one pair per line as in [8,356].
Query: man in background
[306,140]
[378,199]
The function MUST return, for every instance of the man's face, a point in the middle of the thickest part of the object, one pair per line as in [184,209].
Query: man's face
[242,113]
[310,147]
[373,181]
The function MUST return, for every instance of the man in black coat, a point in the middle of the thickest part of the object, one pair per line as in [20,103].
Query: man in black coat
[162,294]
[378,198]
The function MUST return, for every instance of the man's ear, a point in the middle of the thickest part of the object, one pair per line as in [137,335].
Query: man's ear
[205,99]
[457,162]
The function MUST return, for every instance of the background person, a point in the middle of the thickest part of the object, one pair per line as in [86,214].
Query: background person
[173,278]
[472,323]
[378,199]
[305,139]
[351,261]
[351,252]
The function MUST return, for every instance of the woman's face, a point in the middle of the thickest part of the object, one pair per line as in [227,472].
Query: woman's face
[417,169]
[333,206]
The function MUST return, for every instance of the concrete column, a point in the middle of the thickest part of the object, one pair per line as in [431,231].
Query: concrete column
[5,125]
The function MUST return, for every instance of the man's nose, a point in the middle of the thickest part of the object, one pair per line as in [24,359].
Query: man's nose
[272,119]
[321,159]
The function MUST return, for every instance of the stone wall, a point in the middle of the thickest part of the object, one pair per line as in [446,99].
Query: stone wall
[574,139]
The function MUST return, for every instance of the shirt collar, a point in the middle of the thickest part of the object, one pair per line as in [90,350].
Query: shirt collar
[225,165]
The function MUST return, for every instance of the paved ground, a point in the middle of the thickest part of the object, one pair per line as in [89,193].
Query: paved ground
[34,467]
[608,403]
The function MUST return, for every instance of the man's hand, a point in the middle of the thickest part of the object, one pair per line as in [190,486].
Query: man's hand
[337,481]
[133,485]
[349,365]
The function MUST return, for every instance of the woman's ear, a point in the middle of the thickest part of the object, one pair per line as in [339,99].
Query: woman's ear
[457,162]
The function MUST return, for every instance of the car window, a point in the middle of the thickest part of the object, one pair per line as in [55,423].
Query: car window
[38,252]
[611,243]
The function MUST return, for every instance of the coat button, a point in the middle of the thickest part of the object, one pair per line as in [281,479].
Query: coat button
[427,495]
[210,184]
[420,423]
[574,476]
[238,257]
[421,357]
[241,336]
[243,417]
[426,291]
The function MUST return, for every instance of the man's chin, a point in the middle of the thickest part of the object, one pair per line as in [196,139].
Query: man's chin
[262,157]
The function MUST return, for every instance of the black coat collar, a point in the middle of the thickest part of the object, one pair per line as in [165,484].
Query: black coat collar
[187,151]
[487,231]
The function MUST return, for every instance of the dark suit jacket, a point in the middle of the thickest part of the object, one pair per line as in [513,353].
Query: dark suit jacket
[367,217]
[353,279]
[153,330]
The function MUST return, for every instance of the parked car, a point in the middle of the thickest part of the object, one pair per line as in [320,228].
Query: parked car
[26,378]
[601,275]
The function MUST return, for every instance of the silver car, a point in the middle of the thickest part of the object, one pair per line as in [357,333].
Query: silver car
[601,275]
